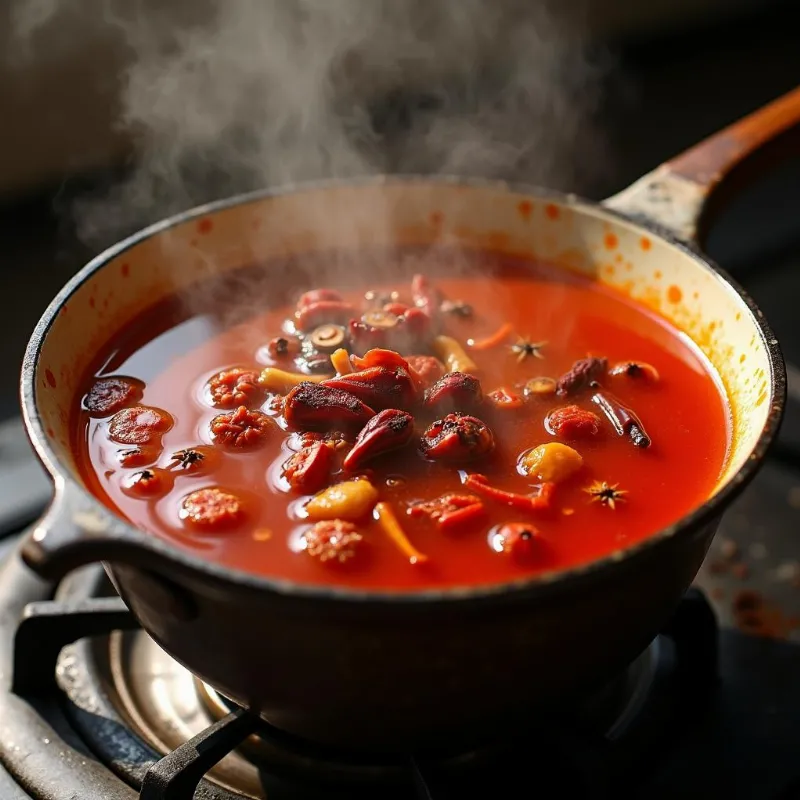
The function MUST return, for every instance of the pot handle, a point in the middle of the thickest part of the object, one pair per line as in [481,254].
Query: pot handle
[684,194]
[73,533]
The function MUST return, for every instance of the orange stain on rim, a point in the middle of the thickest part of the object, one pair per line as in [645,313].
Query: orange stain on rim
[674,294]
[437,218]
[205,225]
[552,211]
[645,243]
[126,269]
[610,241]
[51,379]
[525,208]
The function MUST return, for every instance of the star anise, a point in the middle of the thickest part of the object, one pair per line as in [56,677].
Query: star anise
[525,348]
[608,495]
[458,308]
[185,459]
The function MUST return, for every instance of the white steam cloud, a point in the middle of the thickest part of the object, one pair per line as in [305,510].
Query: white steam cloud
[224,96]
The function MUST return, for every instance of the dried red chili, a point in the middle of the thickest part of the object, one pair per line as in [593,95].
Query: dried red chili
[308,470]
[451,511]
[109,395]
[624,419]
[235,387]
[455,391]
[378,387]
[317,407]
[480,484]
[389,430]
[241,429]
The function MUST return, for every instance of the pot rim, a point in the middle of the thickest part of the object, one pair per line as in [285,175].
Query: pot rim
[540,585]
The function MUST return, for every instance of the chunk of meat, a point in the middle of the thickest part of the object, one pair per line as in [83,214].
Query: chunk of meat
[139,425]
[109,395]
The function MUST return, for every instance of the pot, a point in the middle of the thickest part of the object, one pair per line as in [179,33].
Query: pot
[388,671]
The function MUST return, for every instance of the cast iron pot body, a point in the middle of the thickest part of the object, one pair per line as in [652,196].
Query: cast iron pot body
[384,671]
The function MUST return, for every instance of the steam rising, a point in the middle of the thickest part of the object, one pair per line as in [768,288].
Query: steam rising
[225,96]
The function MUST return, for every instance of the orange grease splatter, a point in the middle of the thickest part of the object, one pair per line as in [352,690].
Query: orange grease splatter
[437,218]
[674,294]
[610,241]
[91,302]
[126,269]
[525,209]
[552,211]
[51,379]
[645,243]
[205,225]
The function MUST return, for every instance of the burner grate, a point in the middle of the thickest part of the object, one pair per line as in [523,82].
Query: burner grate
[679,672]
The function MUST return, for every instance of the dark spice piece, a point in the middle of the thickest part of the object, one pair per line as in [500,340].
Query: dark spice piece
[581,375]
[624,419]
[605,494]
[187,458]
[457,308]
[525,348]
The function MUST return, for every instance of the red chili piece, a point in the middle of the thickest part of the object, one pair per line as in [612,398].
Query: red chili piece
[428,368]
[324,312]
[109,395]
[582,373]
[151,482]
[455,438]
[308,470]
[333,540]
[235,387]
[139,425]
[451,511]
[377,357]
[624,419]
[387,431]
[456,390]
[378,387]
[505,399]
[517,539]
[317,407]
[212,509]
[572,422]
[480,484]
[241,429]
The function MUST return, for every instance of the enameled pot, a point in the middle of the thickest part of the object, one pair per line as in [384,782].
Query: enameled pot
[386,671]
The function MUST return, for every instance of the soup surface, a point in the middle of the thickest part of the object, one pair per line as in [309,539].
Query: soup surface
[433,431]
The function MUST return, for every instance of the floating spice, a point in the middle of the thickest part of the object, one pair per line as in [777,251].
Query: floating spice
[606,494]
[457,308]
[624,419]
[525,348]
[386,518]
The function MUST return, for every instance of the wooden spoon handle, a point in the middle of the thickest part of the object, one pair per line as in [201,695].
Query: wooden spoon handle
[685,193]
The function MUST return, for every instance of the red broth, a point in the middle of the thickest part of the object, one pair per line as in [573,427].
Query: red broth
[509,519]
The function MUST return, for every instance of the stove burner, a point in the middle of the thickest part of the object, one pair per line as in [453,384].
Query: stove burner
[159,729]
